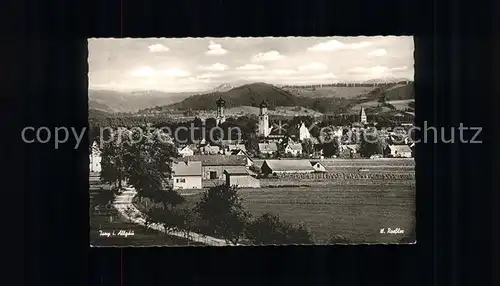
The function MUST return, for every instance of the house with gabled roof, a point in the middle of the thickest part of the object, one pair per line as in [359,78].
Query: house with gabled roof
[232,147]
[399,151]
[186,175]
[240,176]
[238,152]
[293,149]
[317,166]
[268,148]
[213,166]
[95,158]
[185,151]
[275,167]
[210,149]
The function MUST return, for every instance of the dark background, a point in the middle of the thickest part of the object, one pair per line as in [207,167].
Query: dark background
[44,68]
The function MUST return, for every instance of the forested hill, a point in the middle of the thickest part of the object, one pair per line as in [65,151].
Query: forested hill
[253,94]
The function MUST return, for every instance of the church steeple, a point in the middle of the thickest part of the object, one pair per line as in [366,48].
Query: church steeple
[220,102]
[362,116]
[264,128]
[263,108]
[221,118]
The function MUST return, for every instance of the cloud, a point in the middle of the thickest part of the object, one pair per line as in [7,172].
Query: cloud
[325,76]
[144,72]
[376,69]
[403,68]
[215,49]
[214,67]
[334,45]
[150,72]
[283,72]
[250,67]
[174,73]
[208,75]
[158,48]
[378,53]
[267,56]
[148,64]
[313,67]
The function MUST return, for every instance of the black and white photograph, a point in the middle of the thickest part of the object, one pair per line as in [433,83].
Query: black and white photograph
[251,141]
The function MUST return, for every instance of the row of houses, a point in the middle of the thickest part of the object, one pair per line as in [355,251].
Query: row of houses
[209,149]
[346,150]
[190,172]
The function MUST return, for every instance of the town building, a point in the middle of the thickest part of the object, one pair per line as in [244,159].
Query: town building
[268,148]
[399,151]
[238,152]
[220,117]
[185,151]
[275,167]
[239,176]
[304,132]
[317,166]
[213,166]
[348,150]
[95,159]
[264,129]
[187,175]
[293,149]
[235,147]
[210,150]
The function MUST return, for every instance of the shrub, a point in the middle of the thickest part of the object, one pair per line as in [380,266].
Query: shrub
[270,229]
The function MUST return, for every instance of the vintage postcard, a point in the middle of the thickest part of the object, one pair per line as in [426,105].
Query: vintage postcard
[251,141]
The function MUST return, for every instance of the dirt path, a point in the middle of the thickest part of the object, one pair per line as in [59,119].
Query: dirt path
[123,203]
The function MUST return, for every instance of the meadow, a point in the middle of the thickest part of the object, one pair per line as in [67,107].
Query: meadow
[401,104]
[354,212]
[109,220]
[352,209]
[330,91]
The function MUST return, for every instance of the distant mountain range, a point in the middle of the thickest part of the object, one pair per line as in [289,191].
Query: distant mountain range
[228,86]
[386,79]
[253,94]
[115,101]
[333,99]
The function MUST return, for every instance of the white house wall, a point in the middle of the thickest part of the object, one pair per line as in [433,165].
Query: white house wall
[191,182]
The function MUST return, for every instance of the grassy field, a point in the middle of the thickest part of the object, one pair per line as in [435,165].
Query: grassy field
[401,104]
[109,220]
[355,212]
[353,209]
[330,91]
[280,111]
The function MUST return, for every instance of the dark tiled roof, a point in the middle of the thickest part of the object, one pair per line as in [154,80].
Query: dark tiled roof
[236,170]
[269,147]
[187,168]
[219,160]
[289,165]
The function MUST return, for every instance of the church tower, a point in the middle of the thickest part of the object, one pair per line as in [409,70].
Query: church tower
[362,116]
[264,129]
[221,118]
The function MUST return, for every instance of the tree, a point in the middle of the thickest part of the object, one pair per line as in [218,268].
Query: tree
[147,160]
[308,147]
[221,210]
[270,229]
[113,168]
[104,197]
[337,238]
[370,144]
[168,198]
[331,147]
[170,218]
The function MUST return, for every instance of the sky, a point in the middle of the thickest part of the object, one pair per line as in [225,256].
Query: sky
[200,64]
